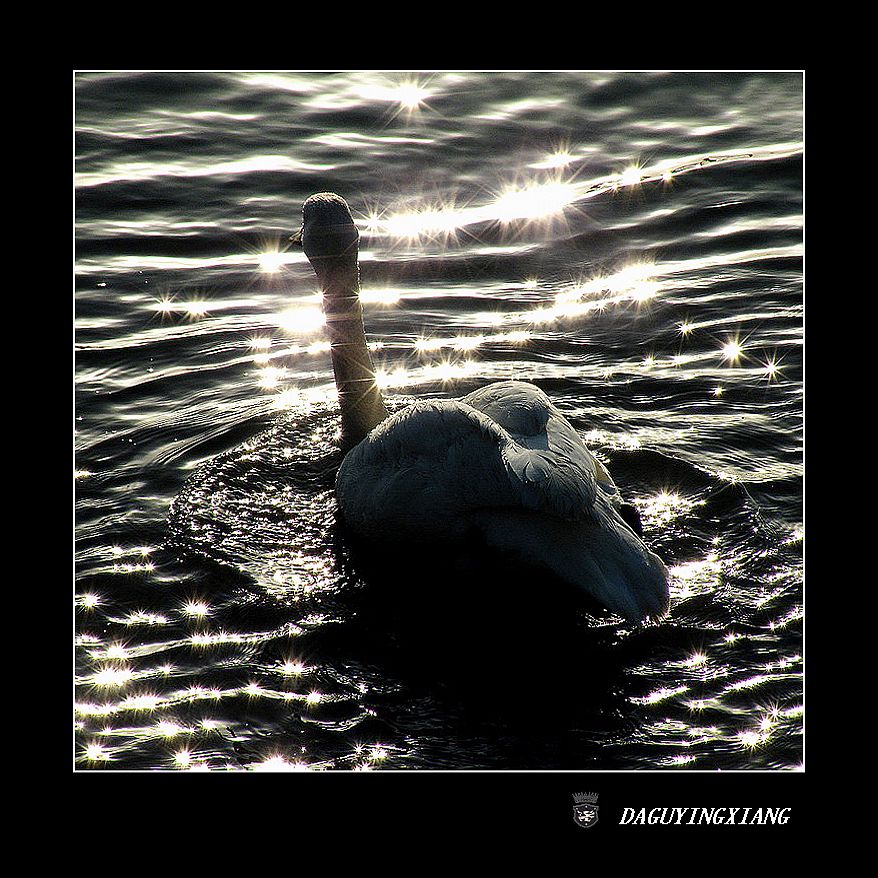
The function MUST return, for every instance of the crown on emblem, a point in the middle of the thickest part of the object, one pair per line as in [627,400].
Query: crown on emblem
[585,798]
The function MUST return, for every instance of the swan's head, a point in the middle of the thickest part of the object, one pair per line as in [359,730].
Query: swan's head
[328,234]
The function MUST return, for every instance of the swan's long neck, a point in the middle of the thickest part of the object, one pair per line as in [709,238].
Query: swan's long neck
[362,407]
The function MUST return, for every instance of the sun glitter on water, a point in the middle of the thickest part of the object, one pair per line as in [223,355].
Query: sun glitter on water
[631,176]
[732,351]
[409,96]
[271,262]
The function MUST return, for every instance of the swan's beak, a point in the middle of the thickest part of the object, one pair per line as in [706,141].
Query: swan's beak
[296,237]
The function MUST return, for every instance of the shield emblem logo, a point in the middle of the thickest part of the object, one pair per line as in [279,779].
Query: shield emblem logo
[585,815]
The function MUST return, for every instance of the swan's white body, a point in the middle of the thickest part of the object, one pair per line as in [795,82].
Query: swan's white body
[502,461]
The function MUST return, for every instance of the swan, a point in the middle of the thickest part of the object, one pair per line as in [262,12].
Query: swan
[501,461]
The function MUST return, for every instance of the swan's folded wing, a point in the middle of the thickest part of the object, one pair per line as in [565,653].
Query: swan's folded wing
[424,469]
[533,421]
[545,481]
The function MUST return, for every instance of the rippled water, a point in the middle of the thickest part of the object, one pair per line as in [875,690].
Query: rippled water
[631,243]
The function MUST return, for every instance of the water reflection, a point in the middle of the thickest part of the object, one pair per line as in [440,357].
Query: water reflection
[635,284]
[541,198]
[410,93]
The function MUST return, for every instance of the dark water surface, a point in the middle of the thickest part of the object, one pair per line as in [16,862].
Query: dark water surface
[631,243]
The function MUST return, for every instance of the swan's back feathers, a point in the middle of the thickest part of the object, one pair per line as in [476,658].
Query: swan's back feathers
[534,422]
[390,483]
[544,482]
[425,468]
